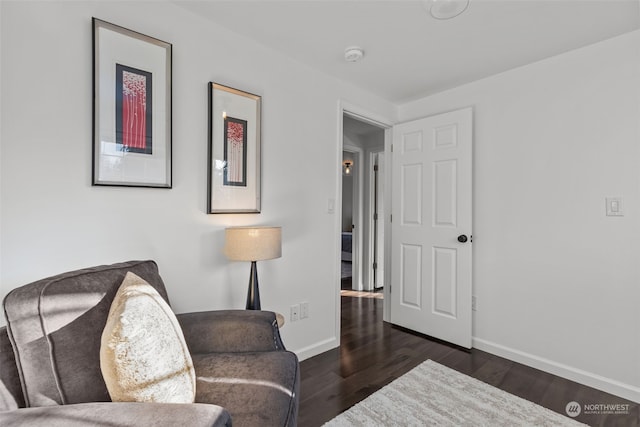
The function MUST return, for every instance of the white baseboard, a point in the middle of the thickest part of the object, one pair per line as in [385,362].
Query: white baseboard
[626,391]
[315,349]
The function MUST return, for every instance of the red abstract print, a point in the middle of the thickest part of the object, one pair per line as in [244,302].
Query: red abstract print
[134,110]
[235,152]
[235,147]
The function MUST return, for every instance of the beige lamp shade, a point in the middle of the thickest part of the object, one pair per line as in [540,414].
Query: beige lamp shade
[253,243]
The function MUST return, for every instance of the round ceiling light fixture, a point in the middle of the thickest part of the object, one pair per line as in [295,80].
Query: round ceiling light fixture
[353,54]
[445,9]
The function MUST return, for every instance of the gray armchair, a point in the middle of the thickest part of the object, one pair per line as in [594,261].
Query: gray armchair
[50,359]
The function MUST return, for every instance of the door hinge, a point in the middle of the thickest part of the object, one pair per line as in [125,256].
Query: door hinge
[375,265]
[375,216]
[390,218]
[375,168]
[392,148]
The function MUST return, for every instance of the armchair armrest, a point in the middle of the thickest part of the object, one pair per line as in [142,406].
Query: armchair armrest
[122,414]
[230,331]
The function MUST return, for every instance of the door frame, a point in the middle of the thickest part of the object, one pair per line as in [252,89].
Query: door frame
[355,111]
[357,220]
[370,285]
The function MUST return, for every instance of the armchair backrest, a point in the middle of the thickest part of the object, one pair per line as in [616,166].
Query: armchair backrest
[55,326]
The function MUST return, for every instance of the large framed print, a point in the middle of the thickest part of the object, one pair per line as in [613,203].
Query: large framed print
[234,150]
[131,108]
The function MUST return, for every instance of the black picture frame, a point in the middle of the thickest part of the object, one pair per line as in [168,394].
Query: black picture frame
[132,108]
[234,162]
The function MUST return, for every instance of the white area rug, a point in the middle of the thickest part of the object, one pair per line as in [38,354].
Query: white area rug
[434,395]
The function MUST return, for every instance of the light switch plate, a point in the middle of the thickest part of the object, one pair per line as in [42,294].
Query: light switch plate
[614,206]
[331,206]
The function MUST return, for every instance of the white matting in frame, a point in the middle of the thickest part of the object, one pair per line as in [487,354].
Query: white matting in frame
[132,108]
[234,150]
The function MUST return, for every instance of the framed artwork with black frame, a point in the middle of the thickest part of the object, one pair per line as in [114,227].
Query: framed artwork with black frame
[234,151]
[131,108]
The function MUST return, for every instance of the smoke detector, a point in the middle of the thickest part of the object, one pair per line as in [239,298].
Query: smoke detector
[445,9]
[353,54]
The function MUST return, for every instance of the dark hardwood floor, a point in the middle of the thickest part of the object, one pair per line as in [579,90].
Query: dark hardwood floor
[374,353]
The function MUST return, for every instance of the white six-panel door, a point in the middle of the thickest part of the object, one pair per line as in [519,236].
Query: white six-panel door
[431,217]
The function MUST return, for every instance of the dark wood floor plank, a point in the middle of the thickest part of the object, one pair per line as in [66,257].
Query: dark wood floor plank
[374,353]
[526,382]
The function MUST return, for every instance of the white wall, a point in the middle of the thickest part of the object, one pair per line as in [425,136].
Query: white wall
[557,281]
[53,220]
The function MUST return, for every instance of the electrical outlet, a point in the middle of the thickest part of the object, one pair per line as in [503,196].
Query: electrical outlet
[474,303]
[304,310]
[614,206]
[295,312]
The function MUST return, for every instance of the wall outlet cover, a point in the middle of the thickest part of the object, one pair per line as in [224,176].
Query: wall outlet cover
[614,206]
[295,312]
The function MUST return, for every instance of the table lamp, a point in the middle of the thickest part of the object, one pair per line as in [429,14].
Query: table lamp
[253,244]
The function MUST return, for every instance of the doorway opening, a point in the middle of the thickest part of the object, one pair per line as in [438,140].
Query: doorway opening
[362,239]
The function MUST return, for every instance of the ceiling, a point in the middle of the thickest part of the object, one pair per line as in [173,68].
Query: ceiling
[409,54]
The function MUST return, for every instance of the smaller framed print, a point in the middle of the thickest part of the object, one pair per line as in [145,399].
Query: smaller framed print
[131,108]
[234,151]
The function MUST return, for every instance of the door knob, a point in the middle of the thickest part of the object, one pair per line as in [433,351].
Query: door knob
[462,238]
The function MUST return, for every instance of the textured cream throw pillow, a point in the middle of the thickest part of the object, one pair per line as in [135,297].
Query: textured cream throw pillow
[143,355]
